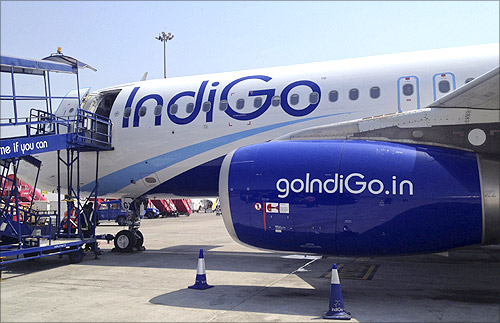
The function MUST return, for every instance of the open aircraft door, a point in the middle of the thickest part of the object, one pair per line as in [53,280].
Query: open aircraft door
[408,93]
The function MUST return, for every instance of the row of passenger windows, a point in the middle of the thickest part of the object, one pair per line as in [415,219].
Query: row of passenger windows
[257,102]
[333,96]
[354,94]
[223,105]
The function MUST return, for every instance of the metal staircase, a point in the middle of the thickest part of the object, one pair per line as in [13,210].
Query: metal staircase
[23,230]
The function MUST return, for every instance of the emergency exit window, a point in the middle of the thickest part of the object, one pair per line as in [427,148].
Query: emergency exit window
[444,86]
[408,89]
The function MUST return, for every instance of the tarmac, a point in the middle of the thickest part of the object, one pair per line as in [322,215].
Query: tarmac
[249,285]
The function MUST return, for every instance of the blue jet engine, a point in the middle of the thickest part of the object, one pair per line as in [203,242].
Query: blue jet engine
[357,197]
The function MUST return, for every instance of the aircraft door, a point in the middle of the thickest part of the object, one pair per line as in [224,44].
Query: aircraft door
[104,107]
[443,83]
[70,103]
[408,93]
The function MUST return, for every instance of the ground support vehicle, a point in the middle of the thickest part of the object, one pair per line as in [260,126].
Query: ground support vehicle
[25,233]
[151,213]
[165,207]
[112,211]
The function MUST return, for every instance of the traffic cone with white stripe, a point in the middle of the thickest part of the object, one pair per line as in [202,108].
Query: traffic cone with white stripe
[201,277]
[336,309]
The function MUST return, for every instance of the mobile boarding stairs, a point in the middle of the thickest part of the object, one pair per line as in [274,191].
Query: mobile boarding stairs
[26,233]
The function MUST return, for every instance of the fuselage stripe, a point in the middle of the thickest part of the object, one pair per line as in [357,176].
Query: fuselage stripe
[121,178]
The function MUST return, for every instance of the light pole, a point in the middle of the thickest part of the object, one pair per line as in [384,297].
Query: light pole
[164,38]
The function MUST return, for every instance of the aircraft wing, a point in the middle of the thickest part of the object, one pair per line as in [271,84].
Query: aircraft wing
[467,118]
[480,93]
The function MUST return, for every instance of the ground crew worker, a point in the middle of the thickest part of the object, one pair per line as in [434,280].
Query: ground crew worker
[73,219]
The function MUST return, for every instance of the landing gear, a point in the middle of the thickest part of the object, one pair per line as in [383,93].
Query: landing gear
[125,240]
[121,220]
[140,240]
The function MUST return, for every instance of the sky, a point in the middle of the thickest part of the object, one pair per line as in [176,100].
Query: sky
[118,38]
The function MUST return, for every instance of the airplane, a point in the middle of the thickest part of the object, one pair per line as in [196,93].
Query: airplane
[384,155]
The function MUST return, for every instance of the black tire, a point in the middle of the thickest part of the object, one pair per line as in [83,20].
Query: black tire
[76,256]
[125,240]
[140,239]
[149,215]
[121,220]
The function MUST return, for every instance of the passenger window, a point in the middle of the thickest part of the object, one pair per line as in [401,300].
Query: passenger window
[158,109]
[333,96]
[142,111]
[240,104]
[408,89]
[257,103]
[173,108]
[223,105]
[128,111]
[468,80]
[294,99]
[354,94]
[314,97]
[374,92]
[190,107]
[276,100]
[444,86]
[207,106]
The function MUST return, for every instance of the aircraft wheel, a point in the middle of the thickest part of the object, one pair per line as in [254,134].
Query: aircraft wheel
[140,239]
[125,240]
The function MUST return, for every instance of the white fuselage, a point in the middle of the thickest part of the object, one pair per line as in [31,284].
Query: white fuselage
[158,142]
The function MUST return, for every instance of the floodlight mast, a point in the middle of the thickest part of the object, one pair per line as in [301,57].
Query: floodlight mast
[164,37]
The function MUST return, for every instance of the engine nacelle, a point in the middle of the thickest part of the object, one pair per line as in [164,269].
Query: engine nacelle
[357,197]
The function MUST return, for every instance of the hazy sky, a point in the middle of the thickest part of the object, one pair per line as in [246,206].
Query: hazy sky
[118,38]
